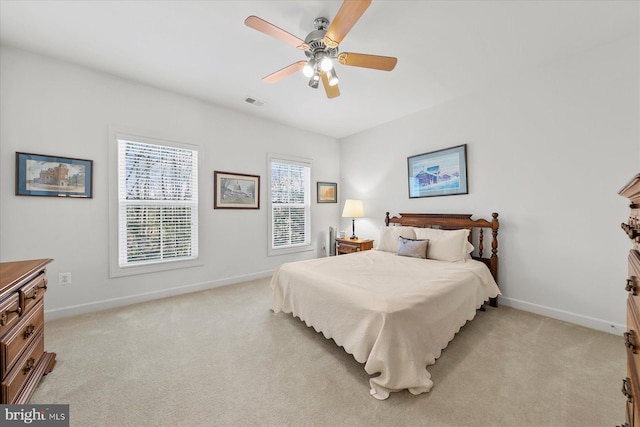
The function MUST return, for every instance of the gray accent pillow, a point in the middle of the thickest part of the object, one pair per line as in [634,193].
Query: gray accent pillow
[412,247]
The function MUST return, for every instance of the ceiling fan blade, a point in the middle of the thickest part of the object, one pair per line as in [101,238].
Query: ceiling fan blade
[384,63]
[275,32]
[284,72]
[332,91]
[346,18]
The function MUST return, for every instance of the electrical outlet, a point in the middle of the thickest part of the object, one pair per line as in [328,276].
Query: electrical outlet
[64,278]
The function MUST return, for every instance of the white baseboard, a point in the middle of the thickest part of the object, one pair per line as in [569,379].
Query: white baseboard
[73,310]
[578,319]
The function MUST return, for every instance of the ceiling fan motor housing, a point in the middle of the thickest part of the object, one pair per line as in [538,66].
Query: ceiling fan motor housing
[315,40]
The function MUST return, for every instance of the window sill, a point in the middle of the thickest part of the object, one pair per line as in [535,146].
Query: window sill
[117,271]
[291,250]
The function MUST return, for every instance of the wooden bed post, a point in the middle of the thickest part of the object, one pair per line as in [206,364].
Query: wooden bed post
[493,302]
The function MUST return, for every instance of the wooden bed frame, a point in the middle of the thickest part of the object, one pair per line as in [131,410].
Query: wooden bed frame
[457,222]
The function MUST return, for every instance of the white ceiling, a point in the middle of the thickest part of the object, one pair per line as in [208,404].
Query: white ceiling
[445,49]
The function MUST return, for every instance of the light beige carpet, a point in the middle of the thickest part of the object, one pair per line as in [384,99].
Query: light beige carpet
[222,358]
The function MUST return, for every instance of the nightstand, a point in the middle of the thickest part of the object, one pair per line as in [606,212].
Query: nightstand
[347,246]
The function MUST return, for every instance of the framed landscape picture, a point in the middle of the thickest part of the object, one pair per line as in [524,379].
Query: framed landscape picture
[438,173]
[235,191]
[52,176]
[327,192]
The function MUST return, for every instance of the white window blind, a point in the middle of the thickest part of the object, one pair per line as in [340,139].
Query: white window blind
[290,204]
[157,203]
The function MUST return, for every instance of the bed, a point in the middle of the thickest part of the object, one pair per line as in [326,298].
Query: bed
[392,311]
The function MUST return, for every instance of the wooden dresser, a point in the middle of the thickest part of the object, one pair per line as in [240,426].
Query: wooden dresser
[631,384]
[23,360]
[347,246]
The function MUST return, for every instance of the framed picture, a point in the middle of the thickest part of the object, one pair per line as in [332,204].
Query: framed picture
[52,176]
[235,191]
[327,192]
[438,173]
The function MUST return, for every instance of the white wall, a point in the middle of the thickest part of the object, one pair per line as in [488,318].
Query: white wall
[548,151]
[56,108]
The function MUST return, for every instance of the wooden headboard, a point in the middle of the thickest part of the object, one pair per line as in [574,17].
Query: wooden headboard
[456,222]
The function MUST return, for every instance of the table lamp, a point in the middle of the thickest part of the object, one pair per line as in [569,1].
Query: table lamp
[353,209]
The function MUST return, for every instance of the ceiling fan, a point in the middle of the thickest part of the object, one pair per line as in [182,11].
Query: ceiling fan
[321,48]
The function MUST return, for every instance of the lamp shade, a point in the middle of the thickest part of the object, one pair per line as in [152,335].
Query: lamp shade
[353,209]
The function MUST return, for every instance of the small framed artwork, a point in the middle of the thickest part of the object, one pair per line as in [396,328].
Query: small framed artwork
[438,173]
[235,191]
[327,192]
[53,176]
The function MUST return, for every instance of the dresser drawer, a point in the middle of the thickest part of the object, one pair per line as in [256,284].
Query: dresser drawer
[9,313]
[632,342]
[629,413]
[33,293]
[633,278]
[632,335]
[20,373]
[16,341]
[347,249]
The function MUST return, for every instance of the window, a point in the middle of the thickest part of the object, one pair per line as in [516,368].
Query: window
[157,205]
[290,206]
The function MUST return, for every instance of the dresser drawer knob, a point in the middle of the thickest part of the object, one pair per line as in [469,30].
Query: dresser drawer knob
[4,317]
[630,341]
[35,294]
[631,286]
[28,366]
[28,331]
[626,389]
[631,232]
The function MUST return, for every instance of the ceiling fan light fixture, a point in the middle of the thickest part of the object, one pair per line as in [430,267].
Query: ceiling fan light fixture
[326,64]
[314,81]
[309,68]
[332,77]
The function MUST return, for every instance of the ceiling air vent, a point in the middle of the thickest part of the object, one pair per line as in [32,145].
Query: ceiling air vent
[253,101]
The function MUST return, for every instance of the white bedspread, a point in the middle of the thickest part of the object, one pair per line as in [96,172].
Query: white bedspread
[394,314]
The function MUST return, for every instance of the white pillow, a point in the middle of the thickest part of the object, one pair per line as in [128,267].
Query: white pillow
[446,245]
[468,248]
[388,239]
